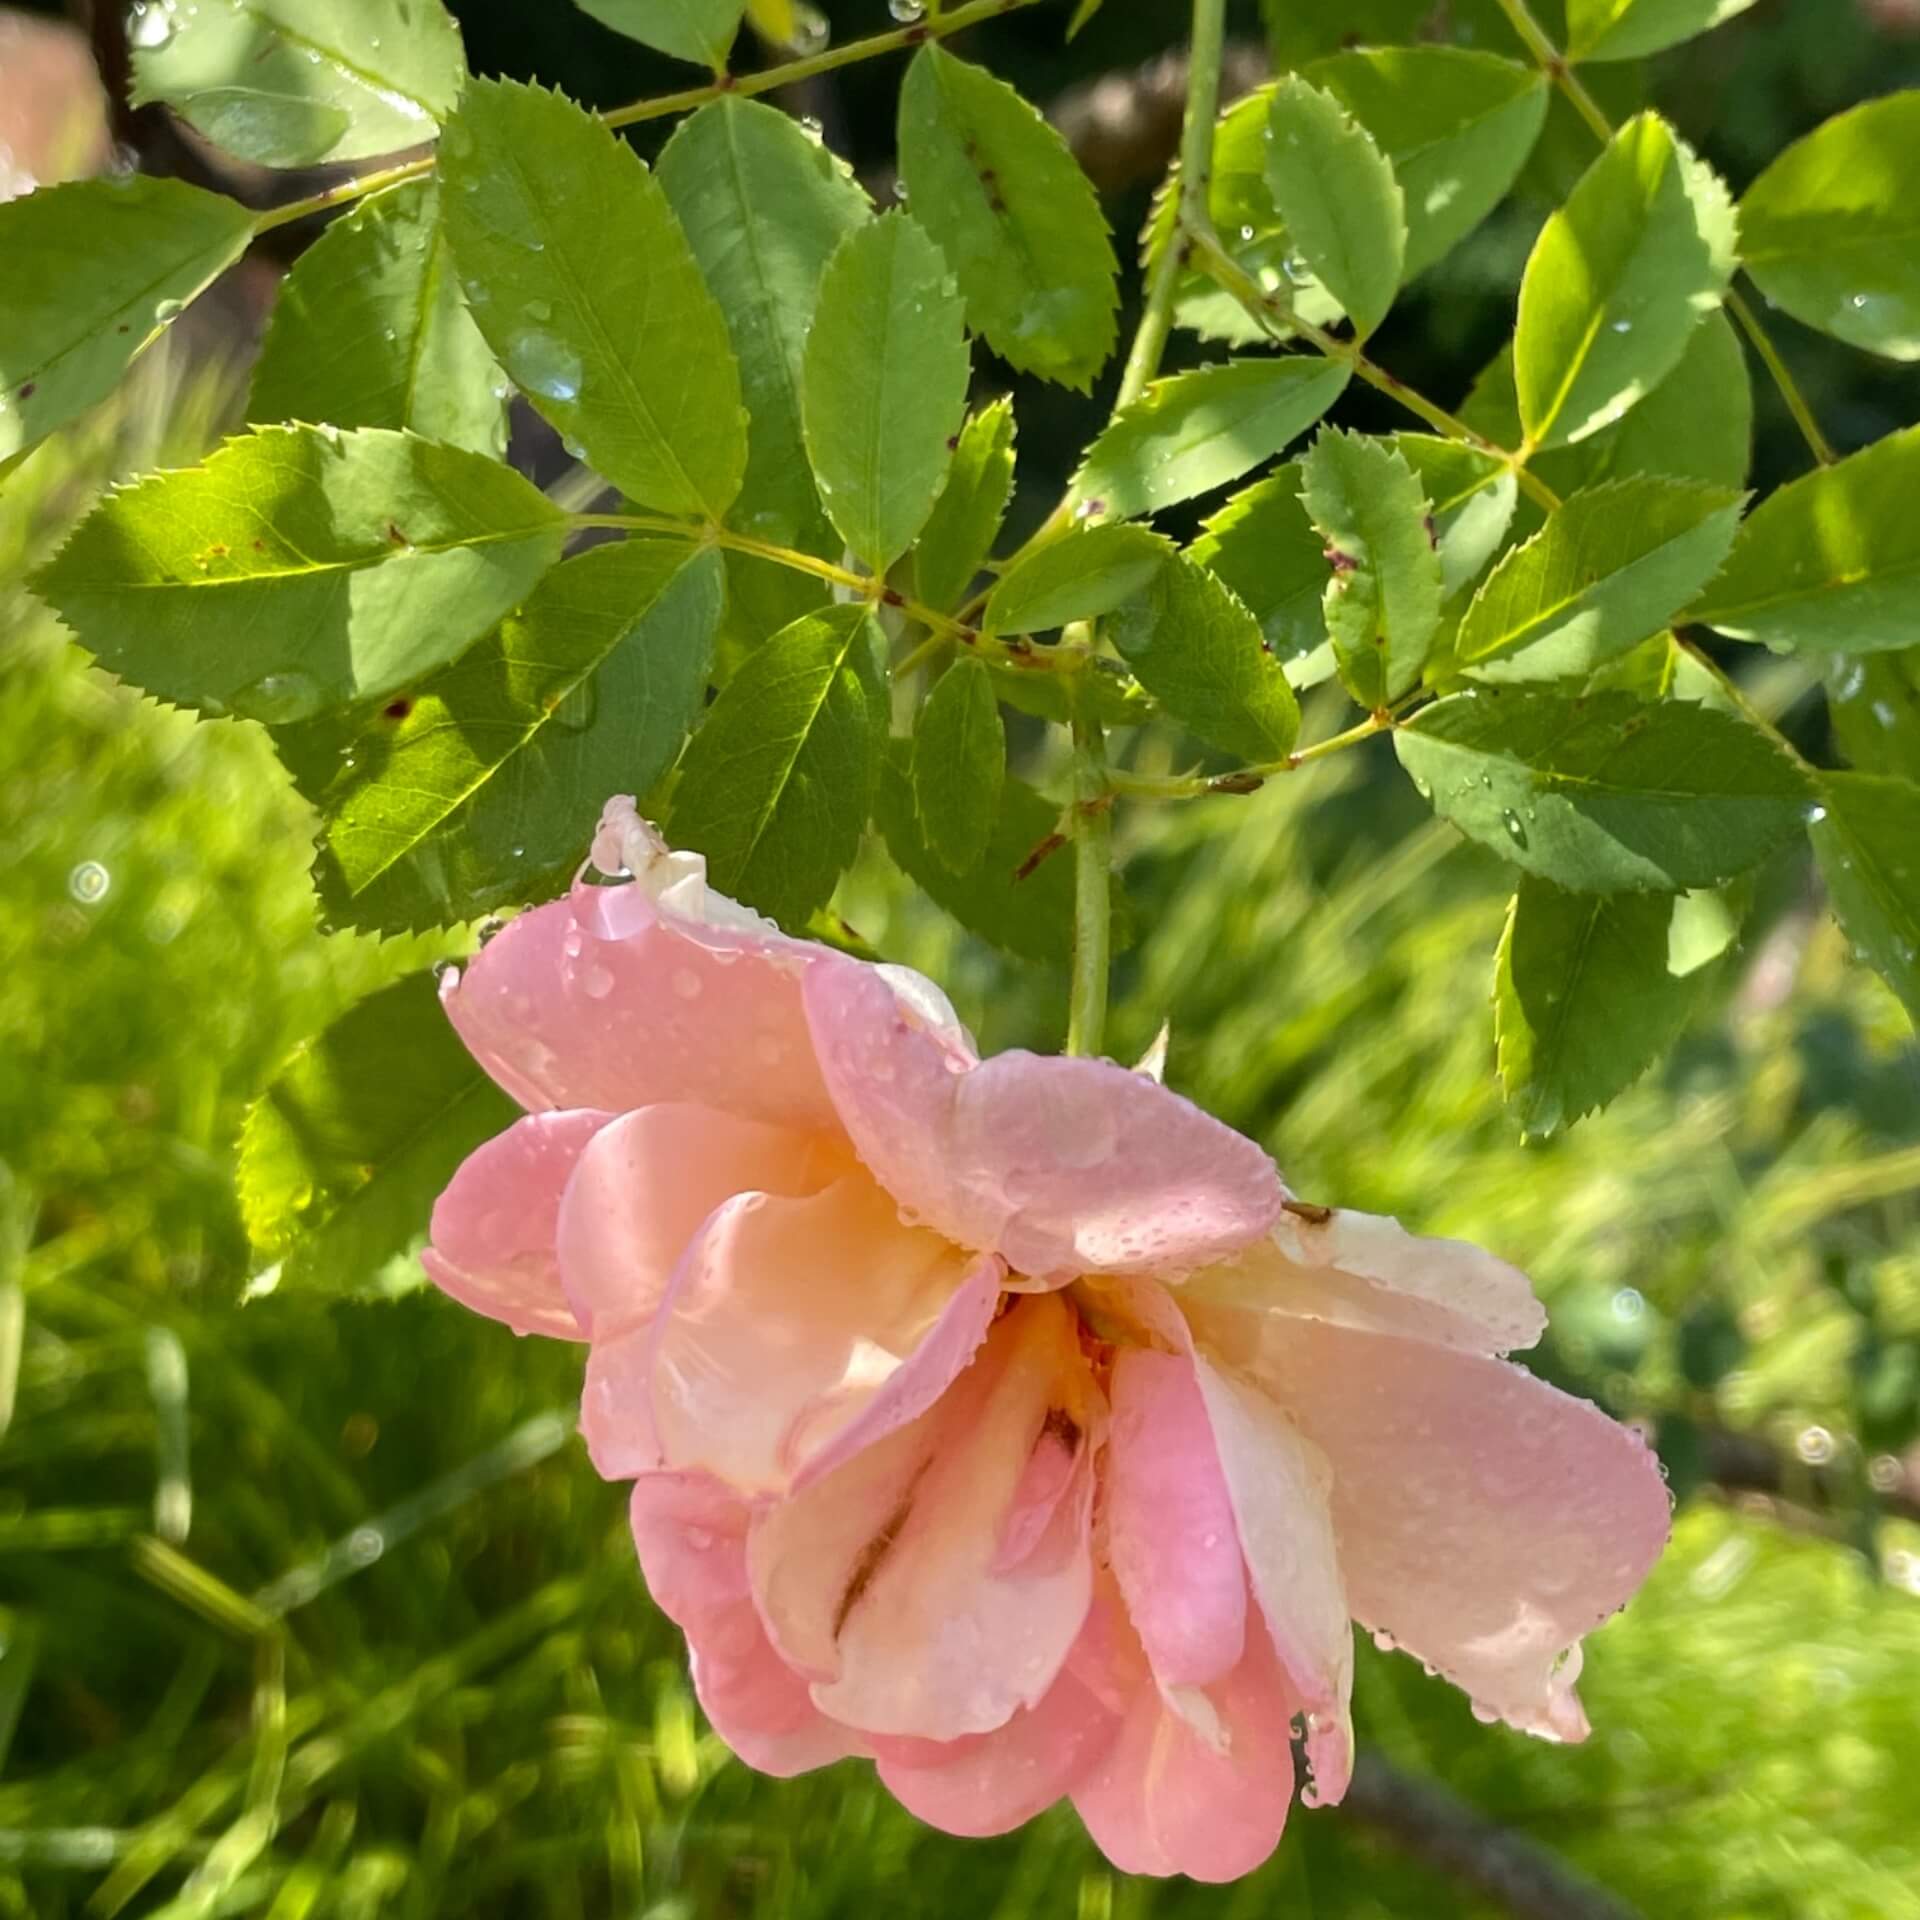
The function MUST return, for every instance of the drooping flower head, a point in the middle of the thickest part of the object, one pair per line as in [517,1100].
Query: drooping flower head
[1007,1421]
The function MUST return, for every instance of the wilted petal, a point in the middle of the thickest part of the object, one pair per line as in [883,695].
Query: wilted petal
[1365,1271]
[1063,1166]
[888,1580]
[647,1183]
[1167,1799]
[602,1000]
[1486,1520]
[1171,1535]
[798,1330]
[493,1228]
[691,1537]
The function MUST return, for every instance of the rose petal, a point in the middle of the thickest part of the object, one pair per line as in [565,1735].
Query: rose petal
[691,1537]
[603,1000]
[1171,1535]
[1486,1520]
[798,1330]
[990,1783]
[647,1183]
[1165,1799]
[1063,1166]
[886,1580]
[493,1227]
[1366,1271]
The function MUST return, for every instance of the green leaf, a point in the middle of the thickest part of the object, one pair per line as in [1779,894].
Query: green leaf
[369,330]
[1831,562]
[1198,651]
[94,270]
[1266,549]
[1456,127]
[701,31]
[960,531]
[481,790]
[343,1156]
[1830,230]
[884,385]
[300,568]
[1338,198]
[1628,29]
[1079,576]
[1472,496]
[1866,836]
[764,207]
[776,785]
[1031,917]
[1621,275]
[1382,599]
[1017,220]
[290,83]
[1584,999]
[1610,567]
[1874,702]
[584,284]
[1604,793]
[1197,431]
[959,764]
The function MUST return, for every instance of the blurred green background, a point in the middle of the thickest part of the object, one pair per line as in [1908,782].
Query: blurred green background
[312,1609]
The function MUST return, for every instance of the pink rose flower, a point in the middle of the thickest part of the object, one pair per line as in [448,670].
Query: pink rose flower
[1006,1421]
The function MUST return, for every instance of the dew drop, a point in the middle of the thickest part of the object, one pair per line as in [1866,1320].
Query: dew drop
[546,366]
[88,882]
[150,26]
[1515,831]
[907,11]
[810,30]
[1814,814]
[276,698]
[446,975]
[596,983]
[575,714]
[686,983]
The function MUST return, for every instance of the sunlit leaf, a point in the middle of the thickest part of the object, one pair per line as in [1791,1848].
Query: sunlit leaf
[697,30]
[1866,835]
[959,764]
[1629,29]
[1079,576]
[1264,546]
[960,530]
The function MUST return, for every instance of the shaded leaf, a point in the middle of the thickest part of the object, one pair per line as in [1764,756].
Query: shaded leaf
[94,270]
[701,31]
[1619,278]
[1874,702]
[1382,597]
[1016,218]
[481,790]
[1471,495]
[342,1158]
[1198,651]
[1866,836]
[960,531]
[583,283]
[1629,29]
[1610,567]
[1338,198]
[1605,793]
[369,330]
[763,207]
[1079,576]
[1193,432]
[776,785]
[959,764]
[1829,230]
[884,385]
[1831,561]
[1584,999]
[1264,546]
[289,83]
[300,568]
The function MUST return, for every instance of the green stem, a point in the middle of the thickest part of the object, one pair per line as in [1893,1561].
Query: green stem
[936,26]
[1191,786]
[1555,65]
[1092,887]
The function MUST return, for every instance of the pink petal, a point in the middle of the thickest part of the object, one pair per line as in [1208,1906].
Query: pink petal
[1063,1166]
[797,1331]
[1171,1536]
[1365,1271]
[493,1227]
[1165,1799]
[887,1581]
[691,1537]
[989,1783]
[603,1000]
[1486,1520]
[644,1187]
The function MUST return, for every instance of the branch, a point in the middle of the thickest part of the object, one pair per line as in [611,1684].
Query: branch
[1434,1826]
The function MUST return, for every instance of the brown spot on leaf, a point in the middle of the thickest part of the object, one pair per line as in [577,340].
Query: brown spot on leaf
[397,709]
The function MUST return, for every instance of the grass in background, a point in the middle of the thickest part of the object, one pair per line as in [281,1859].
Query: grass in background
[318,1610]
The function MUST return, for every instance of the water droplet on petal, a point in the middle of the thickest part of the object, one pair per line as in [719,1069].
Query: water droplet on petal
[596,983]
[686,983]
